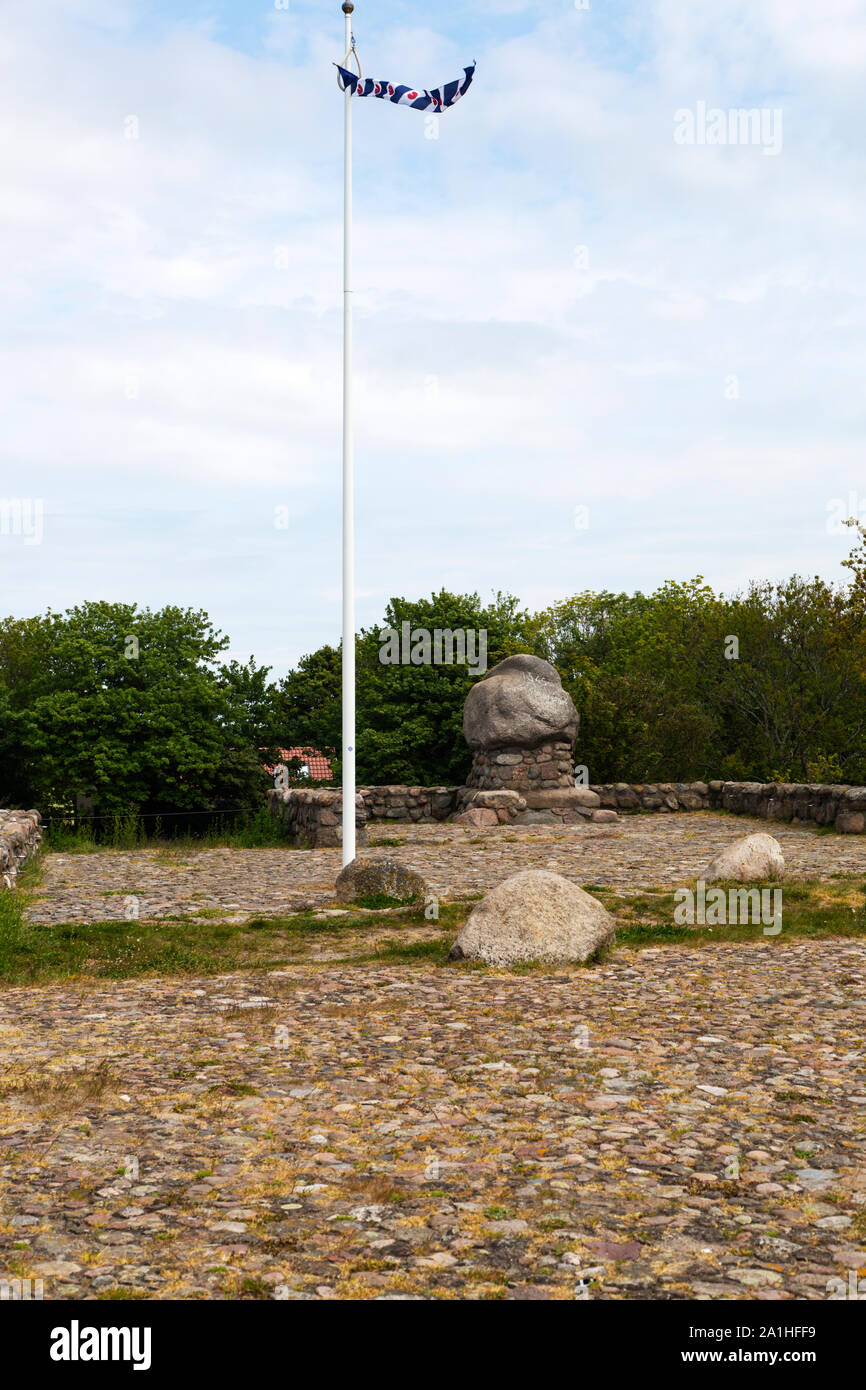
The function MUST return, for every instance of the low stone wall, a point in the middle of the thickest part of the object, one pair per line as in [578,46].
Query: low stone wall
[821,803]
[658,796]
[544,768]
[409,803]
[20,837]
[315,818]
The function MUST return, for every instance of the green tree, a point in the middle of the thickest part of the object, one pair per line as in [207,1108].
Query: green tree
[641,670]
[131,708]
[409,718]
[794,699]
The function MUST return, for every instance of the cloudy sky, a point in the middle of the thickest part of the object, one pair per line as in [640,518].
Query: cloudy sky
[560,305]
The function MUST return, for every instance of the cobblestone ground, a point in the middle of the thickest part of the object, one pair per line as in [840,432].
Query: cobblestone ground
[638,852]
[675,1123]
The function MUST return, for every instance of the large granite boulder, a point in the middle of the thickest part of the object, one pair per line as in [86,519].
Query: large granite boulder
[375,877]
[747,860]
[535,916]
[519,703]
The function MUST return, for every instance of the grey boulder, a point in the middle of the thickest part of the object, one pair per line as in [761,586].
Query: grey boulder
[520,703]
[535,916]
[368,878]
[746,860]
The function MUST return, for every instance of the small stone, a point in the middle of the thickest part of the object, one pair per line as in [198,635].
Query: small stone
[755,1278]
[815,1177]
[751,858]
[616,1250]
[441,1260]
[477,818]
[370,877]
[514,1227]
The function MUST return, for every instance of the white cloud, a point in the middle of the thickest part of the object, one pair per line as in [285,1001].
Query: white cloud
[500,381]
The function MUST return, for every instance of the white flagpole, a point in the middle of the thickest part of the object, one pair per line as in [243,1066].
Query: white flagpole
[348,490]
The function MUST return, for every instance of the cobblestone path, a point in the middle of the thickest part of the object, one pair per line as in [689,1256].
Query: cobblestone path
[675,1123]
[638,852]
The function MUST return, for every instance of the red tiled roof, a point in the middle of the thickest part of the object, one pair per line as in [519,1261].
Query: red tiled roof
[318,764]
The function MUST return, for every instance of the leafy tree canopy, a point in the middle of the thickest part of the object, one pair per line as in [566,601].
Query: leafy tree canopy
[136,710]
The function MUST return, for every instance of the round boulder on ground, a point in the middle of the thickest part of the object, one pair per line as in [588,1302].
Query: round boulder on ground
[370,878]
[535,916]
[477,818]
[519,703]
[747,860]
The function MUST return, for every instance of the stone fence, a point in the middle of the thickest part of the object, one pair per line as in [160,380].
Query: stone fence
[409,803]
[822,803]
[20,837]
[657,796]
[314,817]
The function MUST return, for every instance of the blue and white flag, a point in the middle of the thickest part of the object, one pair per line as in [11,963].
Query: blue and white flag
[437,100]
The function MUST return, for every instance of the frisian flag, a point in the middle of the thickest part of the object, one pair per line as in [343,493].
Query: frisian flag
[437,100]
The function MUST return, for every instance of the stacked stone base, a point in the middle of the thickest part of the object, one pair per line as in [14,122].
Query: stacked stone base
[560,805]
[20,837]
[477,809]
[544,768]
[567,806]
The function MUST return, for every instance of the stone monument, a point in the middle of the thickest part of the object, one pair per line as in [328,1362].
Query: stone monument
[521,726]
